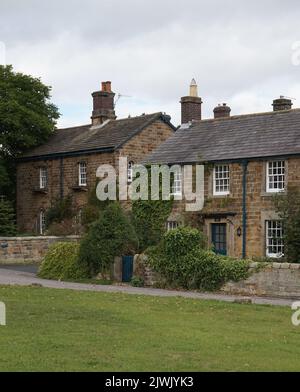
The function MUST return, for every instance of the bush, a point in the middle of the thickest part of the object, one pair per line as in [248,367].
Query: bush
[189,266]
[61,263]
[181,241]
[137,281]
[110,236]
[7,219]
[288,207]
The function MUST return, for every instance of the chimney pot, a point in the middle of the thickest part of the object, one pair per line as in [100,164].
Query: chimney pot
[106,87]
[191,106]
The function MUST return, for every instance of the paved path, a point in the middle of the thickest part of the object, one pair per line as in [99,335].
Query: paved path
[15,277]
[32,268]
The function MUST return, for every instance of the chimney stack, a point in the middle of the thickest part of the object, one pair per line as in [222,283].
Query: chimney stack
[191,105]
[103,104]
[222,111]
[282,103]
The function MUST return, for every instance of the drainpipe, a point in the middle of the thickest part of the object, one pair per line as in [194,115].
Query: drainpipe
[245,166]
[61,179]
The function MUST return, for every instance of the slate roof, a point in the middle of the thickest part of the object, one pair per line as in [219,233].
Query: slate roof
[84,139]
[259,135]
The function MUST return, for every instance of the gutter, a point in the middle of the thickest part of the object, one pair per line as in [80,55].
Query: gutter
[228,160]
[65,154]
[245,167]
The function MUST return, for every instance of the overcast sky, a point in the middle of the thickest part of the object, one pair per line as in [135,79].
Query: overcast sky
[240,52]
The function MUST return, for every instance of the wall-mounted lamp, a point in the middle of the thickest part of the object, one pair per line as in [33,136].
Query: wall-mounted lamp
[239,231]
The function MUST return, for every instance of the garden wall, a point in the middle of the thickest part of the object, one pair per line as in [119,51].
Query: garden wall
[271,280]
[274,280]
[14,250]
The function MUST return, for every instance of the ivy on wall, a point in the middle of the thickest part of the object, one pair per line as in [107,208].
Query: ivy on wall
[149,220]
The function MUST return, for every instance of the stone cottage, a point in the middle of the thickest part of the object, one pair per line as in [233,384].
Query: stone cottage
[248,159]
[67,163]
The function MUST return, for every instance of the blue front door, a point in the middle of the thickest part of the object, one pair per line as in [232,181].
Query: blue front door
[127,268]
[219,238]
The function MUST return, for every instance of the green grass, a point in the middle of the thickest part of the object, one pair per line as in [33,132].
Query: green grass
[62,330]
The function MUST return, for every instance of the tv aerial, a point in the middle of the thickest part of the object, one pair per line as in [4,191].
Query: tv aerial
[119,96]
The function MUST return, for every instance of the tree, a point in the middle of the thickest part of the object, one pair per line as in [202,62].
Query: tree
[288,208]
[110,236]
[7,219]
[27,119]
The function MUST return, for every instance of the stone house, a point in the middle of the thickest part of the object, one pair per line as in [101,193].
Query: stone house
[248,159]
[67,163]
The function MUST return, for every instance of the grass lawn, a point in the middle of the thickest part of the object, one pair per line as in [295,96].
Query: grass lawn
[62,330]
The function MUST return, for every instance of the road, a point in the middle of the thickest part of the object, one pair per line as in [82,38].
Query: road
[26,276]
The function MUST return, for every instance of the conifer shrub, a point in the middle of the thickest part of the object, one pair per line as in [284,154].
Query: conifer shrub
[7,219]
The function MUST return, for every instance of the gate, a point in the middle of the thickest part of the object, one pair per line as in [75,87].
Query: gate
[127,268]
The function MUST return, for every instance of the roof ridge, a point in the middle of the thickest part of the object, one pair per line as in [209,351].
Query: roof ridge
[117,120]
[141,115]
[244,116]
[74,127]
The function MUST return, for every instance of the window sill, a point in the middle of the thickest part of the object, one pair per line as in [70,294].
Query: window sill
[221,195]
[43,191]
[270,194]
[80,188]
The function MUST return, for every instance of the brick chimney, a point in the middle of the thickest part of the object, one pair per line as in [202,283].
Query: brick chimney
[282,103]
[103,104]
[191,105]
[222,111]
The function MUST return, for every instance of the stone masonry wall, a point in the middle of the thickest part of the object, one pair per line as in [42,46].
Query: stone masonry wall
[275,280]
[14,250]
[271,280]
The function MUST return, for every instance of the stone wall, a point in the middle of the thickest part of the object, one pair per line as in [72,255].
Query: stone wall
[18,250]
[265,280]
[274,280]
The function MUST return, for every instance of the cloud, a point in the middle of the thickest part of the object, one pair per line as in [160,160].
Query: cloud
[239,52]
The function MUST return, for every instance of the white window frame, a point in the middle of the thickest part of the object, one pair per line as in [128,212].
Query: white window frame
[172,225]
[82,174]
[130,172]
[42,219]
[43,177]
[176,188]
[217,192]
[274,225]
[270,177]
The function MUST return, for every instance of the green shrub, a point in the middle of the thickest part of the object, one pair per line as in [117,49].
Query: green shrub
[182,240]
[61,263]
[7,219]
[182,262]
[110,236]
[137,281]
[288,208]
